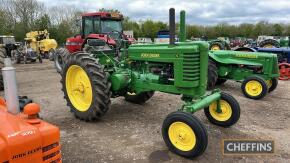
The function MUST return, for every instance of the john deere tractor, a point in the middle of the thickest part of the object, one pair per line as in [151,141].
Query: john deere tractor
[100,72]
[258,72]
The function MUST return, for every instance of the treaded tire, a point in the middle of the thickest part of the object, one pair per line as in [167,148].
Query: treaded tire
[2,56]
[261,81]
[139,98]
[99,82]
[51,54]
[220,45]
[274,85]
[212,75]
[197,127]
[235,107]
[220,81]
[272,42]
[60,58]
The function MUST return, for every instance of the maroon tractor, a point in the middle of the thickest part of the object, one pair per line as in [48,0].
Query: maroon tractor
[104,26]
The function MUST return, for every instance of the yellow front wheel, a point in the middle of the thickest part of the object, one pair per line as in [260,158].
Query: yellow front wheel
[184,134]
[228,112]
[254,87]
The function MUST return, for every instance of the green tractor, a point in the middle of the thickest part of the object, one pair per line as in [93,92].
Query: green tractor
[258,72]
[90,79]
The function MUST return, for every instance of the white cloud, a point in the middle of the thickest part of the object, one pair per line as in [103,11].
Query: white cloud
[198,12]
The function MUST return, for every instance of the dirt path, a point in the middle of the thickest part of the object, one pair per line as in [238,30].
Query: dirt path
[131,133]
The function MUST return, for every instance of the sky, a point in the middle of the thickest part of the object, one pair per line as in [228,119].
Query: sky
[202,12]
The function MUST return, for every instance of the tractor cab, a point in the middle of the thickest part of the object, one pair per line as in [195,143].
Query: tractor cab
[99,25]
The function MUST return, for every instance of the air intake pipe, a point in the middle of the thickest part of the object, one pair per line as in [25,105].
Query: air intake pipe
[182,30]
[171,26]
[10,87]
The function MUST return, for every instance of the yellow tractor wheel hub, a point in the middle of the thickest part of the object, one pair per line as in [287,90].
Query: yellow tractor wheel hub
[254,88]
[269,83]
[215,47]
[226,111]
[268,46]
[78,87]
[182,136]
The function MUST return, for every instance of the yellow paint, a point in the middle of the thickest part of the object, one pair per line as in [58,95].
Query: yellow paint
[182,136]
[226,111]
[246,55]
[254,88]
[215,47]
[78,87]
[150,55]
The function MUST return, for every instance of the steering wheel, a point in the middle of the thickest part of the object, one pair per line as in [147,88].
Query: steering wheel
[117,36]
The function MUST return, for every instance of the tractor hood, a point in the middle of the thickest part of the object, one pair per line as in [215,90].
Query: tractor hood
[21,141]
[239,57]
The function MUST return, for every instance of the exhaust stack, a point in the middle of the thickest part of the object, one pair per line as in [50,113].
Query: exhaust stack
[10,87]
[171,26]
[182,32]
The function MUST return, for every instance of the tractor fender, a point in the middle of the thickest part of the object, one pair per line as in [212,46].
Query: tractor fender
[239,61]
[246,49]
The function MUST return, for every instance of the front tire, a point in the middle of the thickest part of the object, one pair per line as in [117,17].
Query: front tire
[230,111]
[254,88]
[184,134]
[139,98]
[86,87]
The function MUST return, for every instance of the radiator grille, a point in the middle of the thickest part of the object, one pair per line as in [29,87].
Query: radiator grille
[51,153]
[191,66]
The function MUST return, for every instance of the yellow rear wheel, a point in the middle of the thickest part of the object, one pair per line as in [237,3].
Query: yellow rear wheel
[255,87]
[228,112]
[184,134]
[86,87]
[79,88]
[215,47]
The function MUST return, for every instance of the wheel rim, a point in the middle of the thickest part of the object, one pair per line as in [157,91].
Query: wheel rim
[254,88]
[79,88]
[269,83]
[182,136]
[268,46]
[226,111]
[215,47]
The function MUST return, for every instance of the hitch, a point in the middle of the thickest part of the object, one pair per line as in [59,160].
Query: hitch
[193,106]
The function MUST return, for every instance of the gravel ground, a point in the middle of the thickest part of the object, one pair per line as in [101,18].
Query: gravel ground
[131,133]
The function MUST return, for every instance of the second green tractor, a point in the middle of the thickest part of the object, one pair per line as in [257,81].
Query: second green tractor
[257,72]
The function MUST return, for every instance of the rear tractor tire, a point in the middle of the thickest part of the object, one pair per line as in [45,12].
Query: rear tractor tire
[212,75]
[270,43]
[229,114]
[60,58]
[220,81]
[254,88]
[184,134]
[86,87]
[139,98]
[216,46]
[272,84]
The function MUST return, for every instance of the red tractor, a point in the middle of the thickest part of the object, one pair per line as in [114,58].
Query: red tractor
[94,26]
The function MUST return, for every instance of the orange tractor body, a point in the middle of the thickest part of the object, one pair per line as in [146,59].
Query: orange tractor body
[25,138]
